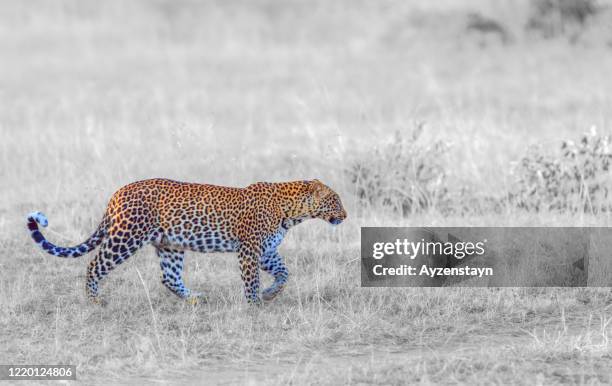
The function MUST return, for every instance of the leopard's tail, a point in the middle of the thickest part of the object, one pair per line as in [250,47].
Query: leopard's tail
[37,218]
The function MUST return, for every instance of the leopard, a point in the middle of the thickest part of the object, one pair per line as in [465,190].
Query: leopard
[175,217]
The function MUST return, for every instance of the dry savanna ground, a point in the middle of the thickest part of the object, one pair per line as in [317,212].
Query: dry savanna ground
[94,95]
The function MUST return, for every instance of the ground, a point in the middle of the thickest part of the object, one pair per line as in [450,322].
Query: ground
[94,96]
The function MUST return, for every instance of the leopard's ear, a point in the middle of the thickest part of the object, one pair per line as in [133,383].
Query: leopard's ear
[315,187]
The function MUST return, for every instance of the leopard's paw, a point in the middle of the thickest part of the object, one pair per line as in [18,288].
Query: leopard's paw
[255,302]
[98,301]
[270,293]
[196,298]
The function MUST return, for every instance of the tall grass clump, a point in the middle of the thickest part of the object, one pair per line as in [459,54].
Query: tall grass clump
[403,175]
[576,178]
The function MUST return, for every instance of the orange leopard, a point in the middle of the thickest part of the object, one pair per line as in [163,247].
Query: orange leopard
[177,216]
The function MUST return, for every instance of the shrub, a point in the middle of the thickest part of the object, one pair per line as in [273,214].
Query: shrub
[578,178]
[487,26]
[560,17]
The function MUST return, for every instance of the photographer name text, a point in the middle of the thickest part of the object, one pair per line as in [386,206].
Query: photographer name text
[408,270]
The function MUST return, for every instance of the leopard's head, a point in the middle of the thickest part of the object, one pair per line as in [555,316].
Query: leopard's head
[324,203]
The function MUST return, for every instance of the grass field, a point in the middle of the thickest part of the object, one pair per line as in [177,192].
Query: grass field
[94,95]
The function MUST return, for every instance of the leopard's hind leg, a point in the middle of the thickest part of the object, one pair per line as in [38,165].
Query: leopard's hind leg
[171,263]
[112,252]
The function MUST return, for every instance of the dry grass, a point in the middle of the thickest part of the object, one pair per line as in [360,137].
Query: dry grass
[95,95]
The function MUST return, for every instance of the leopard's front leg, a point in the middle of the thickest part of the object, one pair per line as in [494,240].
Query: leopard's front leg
[259,235]
[273,264]
[248,258]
